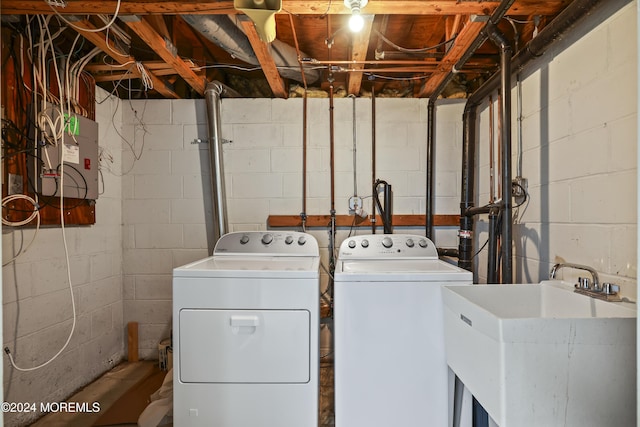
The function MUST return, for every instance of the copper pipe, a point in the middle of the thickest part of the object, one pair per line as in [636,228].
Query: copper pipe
[371,61]
[295,39]
[500,159]
[491,148]
[373,156]
[303,214]
[331,148]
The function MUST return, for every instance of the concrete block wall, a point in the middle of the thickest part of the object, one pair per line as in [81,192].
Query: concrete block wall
[579,138]
[166,194]
[37,309]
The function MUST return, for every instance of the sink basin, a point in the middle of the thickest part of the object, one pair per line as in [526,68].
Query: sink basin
[542,355]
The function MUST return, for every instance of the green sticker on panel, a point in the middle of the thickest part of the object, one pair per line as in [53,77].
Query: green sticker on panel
[71,124]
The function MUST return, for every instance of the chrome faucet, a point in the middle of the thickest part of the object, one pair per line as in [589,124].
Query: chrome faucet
[595,286]
[606,291]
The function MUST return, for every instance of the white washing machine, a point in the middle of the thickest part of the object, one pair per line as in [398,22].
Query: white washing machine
[390,365]
[245,333]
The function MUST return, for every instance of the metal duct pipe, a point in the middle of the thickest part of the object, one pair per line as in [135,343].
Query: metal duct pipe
[221,30]
[212,97]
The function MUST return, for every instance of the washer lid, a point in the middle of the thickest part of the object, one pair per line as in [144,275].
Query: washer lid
[248,266]
[398,270]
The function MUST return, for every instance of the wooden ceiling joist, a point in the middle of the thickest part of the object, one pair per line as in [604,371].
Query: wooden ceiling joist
[359,48]
[268,65]
[296,7]
[462,42]
[100,40]
[158,44]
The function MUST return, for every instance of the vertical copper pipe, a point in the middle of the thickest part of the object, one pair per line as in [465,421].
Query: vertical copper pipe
[295,39]
[500,158]
[331,149]
[303,214]
[373,156]
[492,184]
[304,159]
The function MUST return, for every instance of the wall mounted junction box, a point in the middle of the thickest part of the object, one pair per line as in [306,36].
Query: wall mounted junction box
[78,148]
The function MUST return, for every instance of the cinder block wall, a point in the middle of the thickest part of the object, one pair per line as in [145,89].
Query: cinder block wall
[37,311]
[167,200]
[579,134]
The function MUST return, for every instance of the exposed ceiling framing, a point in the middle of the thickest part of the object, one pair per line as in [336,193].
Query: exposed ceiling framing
[407,47]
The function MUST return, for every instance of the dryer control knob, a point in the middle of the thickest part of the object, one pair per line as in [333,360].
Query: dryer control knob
[410,243]
[422,243]
[288,240]
[352,244]
[267,238]
[387,242]
[302,240]
[364,243]
[244,239]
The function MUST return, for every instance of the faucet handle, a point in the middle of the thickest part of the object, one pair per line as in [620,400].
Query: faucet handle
[610,289]
[583,283]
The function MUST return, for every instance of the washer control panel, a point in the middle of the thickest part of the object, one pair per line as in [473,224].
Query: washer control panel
[387,246]
[272,243]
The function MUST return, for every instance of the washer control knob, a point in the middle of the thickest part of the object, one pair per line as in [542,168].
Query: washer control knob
[410,243]
[244,239]
[422,243]
[267,238]
[302,240]
[288,240]
[352,244]
[364,243]
[387,242]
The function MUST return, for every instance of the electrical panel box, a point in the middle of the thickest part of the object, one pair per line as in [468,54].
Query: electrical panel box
[78,148]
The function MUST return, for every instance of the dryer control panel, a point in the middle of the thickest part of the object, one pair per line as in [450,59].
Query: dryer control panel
[271,243]
[384,246]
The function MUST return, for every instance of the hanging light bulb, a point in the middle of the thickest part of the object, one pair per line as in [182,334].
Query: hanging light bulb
[356,22]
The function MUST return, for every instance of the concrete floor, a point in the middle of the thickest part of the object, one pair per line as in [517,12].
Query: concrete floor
[115,383]
[107,389]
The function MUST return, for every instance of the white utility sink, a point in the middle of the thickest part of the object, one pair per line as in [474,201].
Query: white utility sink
[542,355]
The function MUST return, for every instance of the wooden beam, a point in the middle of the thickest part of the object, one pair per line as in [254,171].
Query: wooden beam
[462,42]
[159,24]
[347,221]
[359,47]
[99,40]
[296,7]
[452,26]
[268,65]
[159,45]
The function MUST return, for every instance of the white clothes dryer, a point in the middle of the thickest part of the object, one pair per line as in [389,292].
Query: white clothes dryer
[245,333]
[390,365]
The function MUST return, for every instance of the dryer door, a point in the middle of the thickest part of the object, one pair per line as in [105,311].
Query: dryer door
[244,346]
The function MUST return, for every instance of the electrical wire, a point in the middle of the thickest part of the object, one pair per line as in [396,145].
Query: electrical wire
[73,302]
[34,215]
[411,50]
[57,128]
[88,30]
